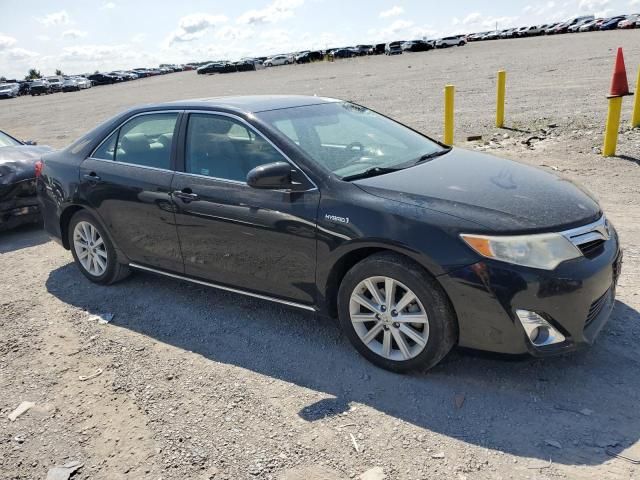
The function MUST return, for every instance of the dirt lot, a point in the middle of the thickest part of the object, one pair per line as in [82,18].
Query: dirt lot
[203,384]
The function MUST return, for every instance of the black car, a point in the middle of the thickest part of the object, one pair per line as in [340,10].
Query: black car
[18,201]
[417,46]
[330,207]
[244,66]
[342,53]
[394,48]
[39,87]
[308,57]
[377,49]
[219,67]
[362,50]
[102,79]
[24,87]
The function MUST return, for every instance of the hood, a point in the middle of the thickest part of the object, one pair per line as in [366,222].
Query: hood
[18,163]
[499,195]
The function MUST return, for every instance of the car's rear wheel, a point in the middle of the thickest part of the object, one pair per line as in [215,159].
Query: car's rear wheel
[93,251]
[396,314]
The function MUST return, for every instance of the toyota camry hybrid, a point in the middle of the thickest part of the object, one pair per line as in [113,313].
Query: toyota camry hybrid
[327,206]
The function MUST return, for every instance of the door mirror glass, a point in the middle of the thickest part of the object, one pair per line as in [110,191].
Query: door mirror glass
[270,176]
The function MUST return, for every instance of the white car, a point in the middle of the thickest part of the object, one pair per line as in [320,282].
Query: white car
[82,82]
[450,42]
[9,90]
[576,26]
[632,21]
[277,60]
[531,31]
[590,25]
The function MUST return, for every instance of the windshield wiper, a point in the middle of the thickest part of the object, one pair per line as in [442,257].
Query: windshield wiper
[431,155]
[371,172]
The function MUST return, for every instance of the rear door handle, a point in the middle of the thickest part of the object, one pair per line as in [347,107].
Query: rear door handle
[92,177]
[186,195]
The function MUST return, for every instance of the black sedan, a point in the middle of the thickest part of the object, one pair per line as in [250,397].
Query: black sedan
[330,207]
[342,53]
[417,46]
[39,87]
[102,79]
[18,202]
[218,67]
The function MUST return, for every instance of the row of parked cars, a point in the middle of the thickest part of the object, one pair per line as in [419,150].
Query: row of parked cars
[308,56]
[585,23]
[74,83]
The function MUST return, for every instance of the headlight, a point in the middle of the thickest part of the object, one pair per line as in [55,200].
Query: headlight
[545,251]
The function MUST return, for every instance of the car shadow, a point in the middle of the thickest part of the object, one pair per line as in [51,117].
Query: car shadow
[584,402]
[24,236]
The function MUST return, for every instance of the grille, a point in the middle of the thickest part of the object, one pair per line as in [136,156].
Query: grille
[590,238]
[596,308]
[590,249]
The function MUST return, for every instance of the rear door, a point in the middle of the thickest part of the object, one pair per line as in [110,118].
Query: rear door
[262,241]
[127,181]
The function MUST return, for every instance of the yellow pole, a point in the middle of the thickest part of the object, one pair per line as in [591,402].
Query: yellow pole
[635,120]
[449,93]
[502,86]
[613,125]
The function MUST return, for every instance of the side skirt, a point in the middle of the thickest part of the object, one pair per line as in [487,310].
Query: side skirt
[226,289]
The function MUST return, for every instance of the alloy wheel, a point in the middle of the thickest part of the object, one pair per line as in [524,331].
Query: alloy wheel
[90,248]
[389,318]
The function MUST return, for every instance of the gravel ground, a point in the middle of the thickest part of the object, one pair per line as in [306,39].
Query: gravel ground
[194,383]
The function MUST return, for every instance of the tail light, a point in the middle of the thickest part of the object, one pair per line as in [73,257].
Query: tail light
[38,168]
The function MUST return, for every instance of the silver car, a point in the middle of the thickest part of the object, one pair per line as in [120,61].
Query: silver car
[9,90]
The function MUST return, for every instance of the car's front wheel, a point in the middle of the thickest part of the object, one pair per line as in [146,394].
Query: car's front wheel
[93,251]
[396,314]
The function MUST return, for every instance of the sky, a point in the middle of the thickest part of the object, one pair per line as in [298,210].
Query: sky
[80,37]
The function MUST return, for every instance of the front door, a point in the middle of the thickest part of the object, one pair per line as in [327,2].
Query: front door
[258,240]
[127,181]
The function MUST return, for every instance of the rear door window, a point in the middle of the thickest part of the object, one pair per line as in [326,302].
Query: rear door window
[146,140]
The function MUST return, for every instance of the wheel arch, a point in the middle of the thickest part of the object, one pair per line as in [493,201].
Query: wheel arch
[65,219]
[354,255]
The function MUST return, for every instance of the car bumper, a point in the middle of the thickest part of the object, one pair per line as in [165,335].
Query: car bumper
[22,207]
[576,299]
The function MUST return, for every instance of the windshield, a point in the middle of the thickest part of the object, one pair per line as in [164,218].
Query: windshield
[7,141]
[348,139]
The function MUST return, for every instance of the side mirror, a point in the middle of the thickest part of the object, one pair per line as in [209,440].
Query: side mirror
[270,176]
[30,142]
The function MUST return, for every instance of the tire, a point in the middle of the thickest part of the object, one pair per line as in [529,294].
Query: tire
[113,271]
[438,329]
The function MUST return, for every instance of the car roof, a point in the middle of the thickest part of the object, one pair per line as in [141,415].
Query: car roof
[247,103]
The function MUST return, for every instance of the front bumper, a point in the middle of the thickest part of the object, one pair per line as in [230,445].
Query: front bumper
[576,298]
[19,206]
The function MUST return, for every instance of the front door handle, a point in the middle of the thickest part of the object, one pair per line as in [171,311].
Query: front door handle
[186,195]
[92,178]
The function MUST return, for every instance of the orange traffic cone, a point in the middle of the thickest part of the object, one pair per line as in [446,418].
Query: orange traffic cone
[619,84]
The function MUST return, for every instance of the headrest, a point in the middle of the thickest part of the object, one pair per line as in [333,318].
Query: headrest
[165,139]
[135,142]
